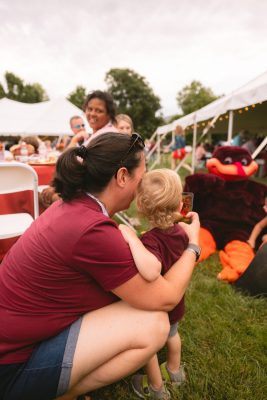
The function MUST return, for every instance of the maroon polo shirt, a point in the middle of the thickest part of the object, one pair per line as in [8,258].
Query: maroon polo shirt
[168,246]
[63,266]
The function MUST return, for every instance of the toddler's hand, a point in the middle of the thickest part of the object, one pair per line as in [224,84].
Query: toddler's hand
[128,233]
[192,229]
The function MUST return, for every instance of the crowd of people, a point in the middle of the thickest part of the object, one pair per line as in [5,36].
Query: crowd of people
[85,302]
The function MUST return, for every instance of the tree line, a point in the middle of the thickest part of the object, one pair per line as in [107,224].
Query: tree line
[131,92]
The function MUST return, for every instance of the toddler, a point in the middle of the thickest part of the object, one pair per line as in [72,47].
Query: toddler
[159,200]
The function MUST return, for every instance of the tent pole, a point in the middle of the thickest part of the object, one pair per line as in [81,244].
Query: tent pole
[230,126]
[194,144]
[259,148]
[158,148]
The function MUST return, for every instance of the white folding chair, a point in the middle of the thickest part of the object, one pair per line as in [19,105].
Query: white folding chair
[16,177]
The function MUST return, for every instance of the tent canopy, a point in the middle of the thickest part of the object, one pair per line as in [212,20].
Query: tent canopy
[48,118]
[252,93]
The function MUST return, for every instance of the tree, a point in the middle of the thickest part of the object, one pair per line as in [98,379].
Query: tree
[33,93]
[2,92]
[133,96]
[26,93]
[173,118]
[194,96]
[78,96]
[14,86]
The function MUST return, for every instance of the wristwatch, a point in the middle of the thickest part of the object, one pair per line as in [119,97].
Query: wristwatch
[195,249]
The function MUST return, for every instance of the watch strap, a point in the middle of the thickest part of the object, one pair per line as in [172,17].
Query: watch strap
[194,249]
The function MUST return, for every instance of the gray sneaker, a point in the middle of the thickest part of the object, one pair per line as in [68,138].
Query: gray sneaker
[143,390]
[169,377]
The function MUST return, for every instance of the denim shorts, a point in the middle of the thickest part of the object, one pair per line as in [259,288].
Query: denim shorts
[46,374]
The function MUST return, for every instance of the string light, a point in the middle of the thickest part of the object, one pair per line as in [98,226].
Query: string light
[221,118]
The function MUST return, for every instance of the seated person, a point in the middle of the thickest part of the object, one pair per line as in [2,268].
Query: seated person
[77,126]
[124,124]
[100,112]
[258,228]
[32,145]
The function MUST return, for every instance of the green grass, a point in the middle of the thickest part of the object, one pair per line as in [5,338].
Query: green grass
[224,343]
[224,336]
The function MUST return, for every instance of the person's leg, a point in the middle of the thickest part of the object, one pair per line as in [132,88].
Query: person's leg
[153,373]
[174,352]
[172,371]
[150,385]
[113,342]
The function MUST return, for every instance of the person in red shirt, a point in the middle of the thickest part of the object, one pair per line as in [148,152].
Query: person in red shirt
[75,313]
[156,252]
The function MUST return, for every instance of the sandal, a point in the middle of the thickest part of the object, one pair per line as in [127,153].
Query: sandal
[175,379]
[143,390]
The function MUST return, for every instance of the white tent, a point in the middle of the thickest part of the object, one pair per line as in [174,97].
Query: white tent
[246,108]
[252,93]
[48,118]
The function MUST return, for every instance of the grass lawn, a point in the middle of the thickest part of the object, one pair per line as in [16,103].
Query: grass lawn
[224,347]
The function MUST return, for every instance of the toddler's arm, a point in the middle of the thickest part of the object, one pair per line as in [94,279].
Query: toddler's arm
[147,264]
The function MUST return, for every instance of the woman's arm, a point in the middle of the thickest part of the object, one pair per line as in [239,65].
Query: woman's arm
[166,291]
[147,264]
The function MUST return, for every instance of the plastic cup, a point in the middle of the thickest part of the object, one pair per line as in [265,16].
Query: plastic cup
[187,199]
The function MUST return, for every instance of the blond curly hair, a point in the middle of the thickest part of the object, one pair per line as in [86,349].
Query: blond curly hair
[159,197]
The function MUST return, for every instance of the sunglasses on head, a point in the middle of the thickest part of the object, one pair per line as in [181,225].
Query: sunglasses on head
[135,138]
[78,126]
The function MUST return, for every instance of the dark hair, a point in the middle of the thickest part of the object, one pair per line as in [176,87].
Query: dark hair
[98,163]
[33,140]
[106,98]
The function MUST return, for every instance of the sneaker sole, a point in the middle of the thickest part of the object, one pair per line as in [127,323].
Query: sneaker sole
[138,393]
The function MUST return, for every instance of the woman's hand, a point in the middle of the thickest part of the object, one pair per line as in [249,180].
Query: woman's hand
[192,230]
[48,196]
[128,233]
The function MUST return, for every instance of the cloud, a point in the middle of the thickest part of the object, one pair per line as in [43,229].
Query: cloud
[62,44]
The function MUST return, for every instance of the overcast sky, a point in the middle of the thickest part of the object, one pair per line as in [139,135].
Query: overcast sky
[64,43]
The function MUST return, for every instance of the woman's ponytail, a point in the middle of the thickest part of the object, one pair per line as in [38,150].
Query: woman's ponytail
[70,176]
